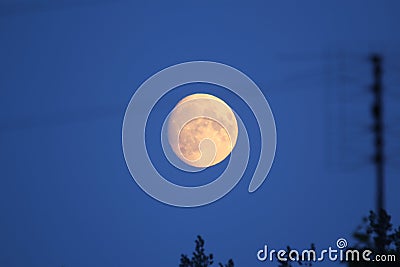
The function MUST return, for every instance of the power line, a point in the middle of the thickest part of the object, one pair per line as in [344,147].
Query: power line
[16,8]
[62,118]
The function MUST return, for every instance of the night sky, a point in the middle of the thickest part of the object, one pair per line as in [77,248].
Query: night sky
[68,70]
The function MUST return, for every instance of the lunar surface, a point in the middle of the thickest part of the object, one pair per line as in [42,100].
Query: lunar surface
[202,130]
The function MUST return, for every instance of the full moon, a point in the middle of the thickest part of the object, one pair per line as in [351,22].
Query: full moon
[202,130]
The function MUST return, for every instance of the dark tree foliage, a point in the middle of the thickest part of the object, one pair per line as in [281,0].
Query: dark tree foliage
[378,235]
[300,262]
[200,258]
[375,234]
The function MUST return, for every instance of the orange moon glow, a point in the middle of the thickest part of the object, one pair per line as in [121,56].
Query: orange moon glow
[202,130]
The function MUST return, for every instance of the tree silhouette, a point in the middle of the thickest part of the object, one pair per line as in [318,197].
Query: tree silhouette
[376,233]
[200,258]
[289,263]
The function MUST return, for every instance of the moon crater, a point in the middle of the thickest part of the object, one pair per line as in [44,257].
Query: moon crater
[202,130]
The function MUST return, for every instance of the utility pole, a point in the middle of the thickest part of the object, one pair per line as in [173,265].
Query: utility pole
[378,128]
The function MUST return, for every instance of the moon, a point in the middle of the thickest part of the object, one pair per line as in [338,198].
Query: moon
[202,130]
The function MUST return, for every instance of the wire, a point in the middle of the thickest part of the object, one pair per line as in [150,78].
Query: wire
[60,118]
[16,8]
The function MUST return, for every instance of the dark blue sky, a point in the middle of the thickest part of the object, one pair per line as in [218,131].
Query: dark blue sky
[68,71]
